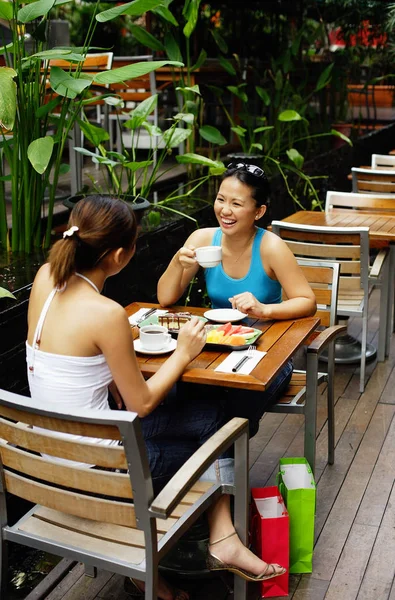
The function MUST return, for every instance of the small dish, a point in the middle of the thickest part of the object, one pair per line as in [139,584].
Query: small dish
[225,315]
[172,345]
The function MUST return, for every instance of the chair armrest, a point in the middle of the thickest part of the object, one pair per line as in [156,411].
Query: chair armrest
[182,481]
[326,337]
[376,267]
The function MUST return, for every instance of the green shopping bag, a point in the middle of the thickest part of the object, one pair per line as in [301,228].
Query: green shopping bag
[297,487]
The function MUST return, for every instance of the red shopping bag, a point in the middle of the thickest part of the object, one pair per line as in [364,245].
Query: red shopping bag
[269,530]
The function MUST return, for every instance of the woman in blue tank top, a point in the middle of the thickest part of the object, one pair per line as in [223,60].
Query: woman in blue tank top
[256,267]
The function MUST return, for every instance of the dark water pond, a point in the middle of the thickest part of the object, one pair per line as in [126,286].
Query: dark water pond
[27,567]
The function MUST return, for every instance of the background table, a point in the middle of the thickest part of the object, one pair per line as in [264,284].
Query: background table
[280,339]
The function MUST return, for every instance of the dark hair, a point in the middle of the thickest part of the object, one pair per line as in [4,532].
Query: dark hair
[104,224]
[258,182]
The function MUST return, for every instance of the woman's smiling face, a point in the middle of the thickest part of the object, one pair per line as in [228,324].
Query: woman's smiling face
[235,208]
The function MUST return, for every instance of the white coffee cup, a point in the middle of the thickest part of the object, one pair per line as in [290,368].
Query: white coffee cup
[154,337]
[208,256]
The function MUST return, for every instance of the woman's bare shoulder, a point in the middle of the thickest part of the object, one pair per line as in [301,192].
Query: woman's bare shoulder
[201,237]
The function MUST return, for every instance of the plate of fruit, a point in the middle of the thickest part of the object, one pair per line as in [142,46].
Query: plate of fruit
[231,337]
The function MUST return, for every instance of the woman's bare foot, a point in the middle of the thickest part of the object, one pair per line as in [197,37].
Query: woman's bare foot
[231,551]
[165,590]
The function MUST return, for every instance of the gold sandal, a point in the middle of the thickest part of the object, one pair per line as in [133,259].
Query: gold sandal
[216,564]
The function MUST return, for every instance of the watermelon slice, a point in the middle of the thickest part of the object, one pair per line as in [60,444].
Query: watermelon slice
[246,330]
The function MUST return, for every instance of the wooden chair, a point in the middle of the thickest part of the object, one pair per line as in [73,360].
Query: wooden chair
[381,204]
[301,395]
[383,161]
[373,181]
[102,517]
[93,63]
[350,247]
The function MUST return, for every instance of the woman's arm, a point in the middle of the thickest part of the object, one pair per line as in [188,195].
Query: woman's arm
[182,268]
[280,264]
[115,340]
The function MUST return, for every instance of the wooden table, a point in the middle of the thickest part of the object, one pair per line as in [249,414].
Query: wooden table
[381,233]
[280,340]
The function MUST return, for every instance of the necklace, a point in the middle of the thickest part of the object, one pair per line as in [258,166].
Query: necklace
[88,281]
[245,248]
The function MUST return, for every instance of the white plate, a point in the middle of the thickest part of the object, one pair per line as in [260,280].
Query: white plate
[224,315]
[172,345]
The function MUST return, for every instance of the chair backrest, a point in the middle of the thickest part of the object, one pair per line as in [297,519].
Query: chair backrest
[96,61]
[27,430]
[139,88]
[349,246]
[323,278]
[383,161]
[349,200]
[375,181]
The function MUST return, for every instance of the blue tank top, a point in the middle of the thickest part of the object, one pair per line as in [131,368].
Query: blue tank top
[220,286]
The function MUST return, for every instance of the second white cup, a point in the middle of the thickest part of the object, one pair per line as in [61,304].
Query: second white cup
[154,337]
[208,256]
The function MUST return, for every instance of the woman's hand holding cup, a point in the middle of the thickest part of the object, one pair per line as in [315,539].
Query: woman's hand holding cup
[186,257]
[192,338]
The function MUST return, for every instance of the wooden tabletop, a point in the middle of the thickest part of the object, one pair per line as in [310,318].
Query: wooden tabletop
[280,340]
[381,225]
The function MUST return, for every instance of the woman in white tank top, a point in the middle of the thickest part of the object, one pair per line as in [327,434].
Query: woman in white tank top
[80,345]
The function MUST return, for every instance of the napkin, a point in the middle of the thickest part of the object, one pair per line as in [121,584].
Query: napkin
[230,361]
[142,311]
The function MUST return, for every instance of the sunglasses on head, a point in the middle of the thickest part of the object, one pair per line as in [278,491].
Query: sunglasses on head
[253,169]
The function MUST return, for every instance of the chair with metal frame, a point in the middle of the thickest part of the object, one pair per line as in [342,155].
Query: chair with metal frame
[373,181]
[376,204]
[383,161]
[126,531]
[350,247]
[301,395]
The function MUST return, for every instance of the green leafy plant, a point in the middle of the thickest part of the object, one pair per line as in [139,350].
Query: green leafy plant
[39,106]
[6,294]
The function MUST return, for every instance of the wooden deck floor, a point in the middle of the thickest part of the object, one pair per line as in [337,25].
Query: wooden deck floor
[354,556]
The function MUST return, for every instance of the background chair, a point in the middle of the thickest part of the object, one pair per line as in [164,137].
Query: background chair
[373,181]
[383,161]
[129,530]
[350,247]
[302,392]
[373,203]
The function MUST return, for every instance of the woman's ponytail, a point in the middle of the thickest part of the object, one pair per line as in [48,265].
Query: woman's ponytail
[62,259]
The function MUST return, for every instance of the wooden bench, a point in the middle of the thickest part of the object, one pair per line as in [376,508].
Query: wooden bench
[96,516]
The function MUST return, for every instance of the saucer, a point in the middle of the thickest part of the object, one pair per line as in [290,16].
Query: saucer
[224,315]
[172,345]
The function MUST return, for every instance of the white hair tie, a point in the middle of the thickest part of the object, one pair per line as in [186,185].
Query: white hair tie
[70,231]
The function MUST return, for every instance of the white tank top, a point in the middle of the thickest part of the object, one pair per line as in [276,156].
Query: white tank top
[66,383]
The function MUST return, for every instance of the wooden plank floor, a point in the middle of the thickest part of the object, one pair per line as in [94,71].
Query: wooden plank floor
[354,556]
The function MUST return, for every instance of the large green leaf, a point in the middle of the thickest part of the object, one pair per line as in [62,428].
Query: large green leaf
[200,61]
[237,91]
[289,115]
[185,89]
[296,157]
[66,85]
[96,135]
[39,153]
[6,11]
[324,78]
[134,70]
[240,131]
[227,65]
[6,294]
[135,8]
[341,136]
[192,15]
[135,166]
[219,40]
[7,97]
[186,117]
[262,93]
[196,159]
[172,48]
[164,13]
[59,53]
[173,137]
[146,107]
[145,38]
[35,10]
[213,135]
[7,48]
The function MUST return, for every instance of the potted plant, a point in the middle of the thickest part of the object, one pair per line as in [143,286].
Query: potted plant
[39,106]
[126,177]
